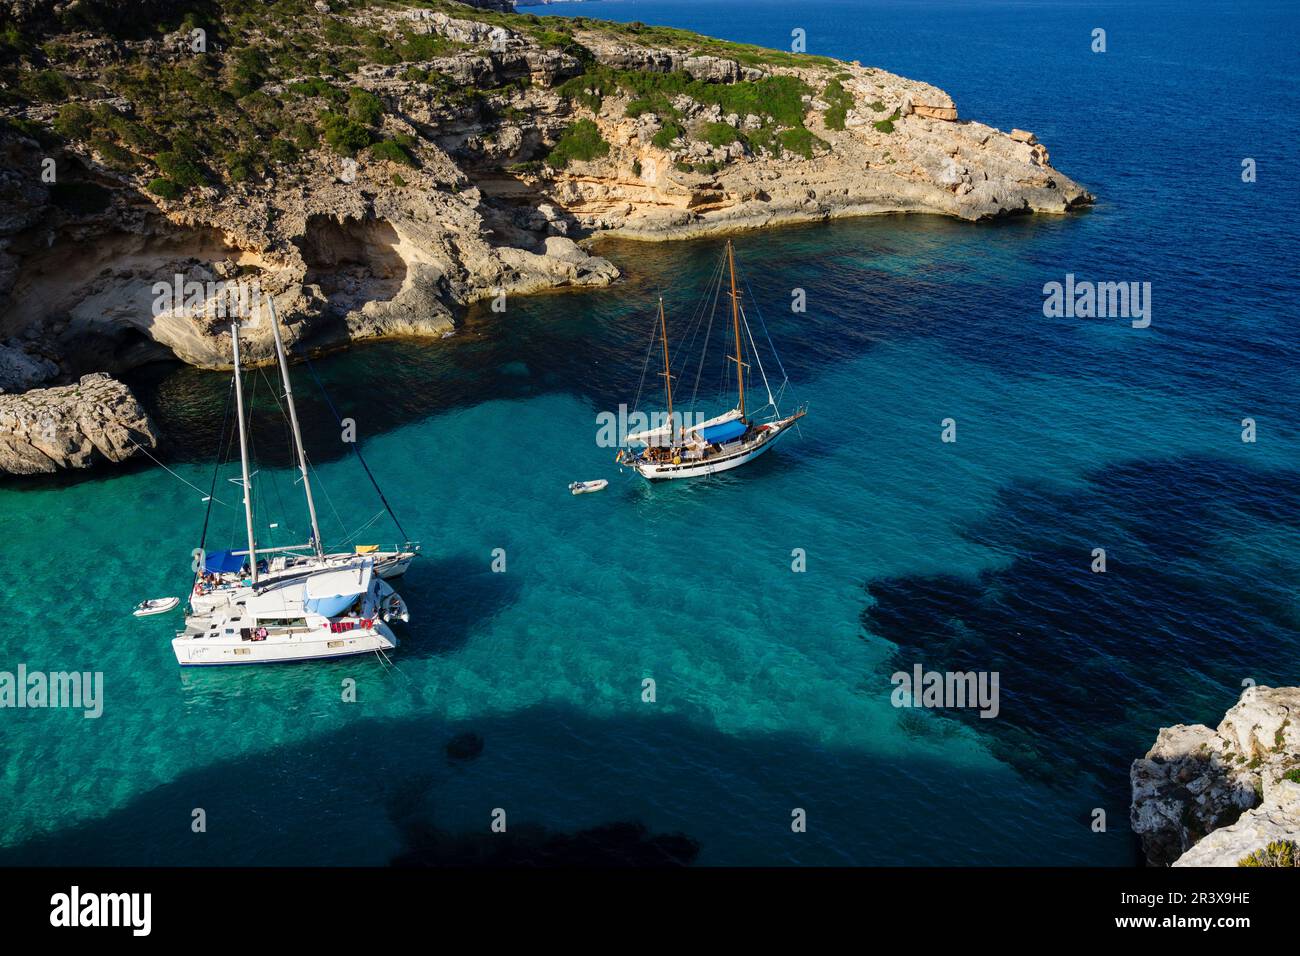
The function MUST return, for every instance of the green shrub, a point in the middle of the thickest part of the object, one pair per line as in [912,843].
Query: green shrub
[1279,853]
[719,134]
[283,151]
[317,87]
[839,101]
[247,72]
[365,107]
[345,136]
[74,121]
[424,46]
[392,152]
[113,155]
[180,169]
[666,135]
[800,141]
[581,141]
[1293,775]
[304,135]
[49,86]
[164,188]
[886,125]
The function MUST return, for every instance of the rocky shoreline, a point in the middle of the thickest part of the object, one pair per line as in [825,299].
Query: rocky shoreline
[421,160]
[1215,797]
[75,426]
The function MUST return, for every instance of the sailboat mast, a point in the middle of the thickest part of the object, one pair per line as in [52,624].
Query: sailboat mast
[243,456]
[668,374]
[297,433]
[735,321]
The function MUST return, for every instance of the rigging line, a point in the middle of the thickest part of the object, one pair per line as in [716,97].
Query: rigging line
[177,477]
[216,467]
[328,500]
[698,315]
[288,442]
[713,311]
[759,312]
[636,402]
[378,514]
[759,360]
[356,450]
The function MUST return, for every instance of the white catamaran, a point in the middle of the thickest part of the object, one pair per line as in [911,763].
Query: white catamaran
[292,608]
[673,449]
[225,574]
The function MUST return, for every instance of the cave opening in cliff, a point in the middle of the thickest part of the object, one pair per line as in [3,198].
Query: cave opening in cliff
[352,261]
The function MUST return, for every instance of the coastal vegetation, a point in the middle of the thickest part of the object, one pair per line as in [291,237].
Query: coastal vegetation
[581,141]
[268,83]
[1278,853]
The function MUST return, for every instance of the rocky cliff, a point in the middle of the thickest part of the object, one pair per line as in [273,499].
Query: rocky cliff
[72,426]
[374,168]
[1213,797]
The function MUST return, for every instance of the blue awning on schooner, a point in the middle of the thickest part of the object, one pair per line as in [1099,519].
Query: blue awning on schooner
[725,432]
[219,561]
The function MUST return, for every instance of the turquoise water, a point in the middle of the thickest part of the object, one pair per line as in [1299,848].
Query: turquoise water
[772,686]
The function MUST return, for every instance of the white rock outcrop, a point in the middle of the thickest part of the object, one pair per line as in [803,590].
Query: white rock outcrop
[72,427]
[1229,783]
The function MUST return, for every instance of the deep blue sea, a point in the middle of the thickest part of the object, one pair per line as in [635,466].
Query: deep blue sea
[772,687]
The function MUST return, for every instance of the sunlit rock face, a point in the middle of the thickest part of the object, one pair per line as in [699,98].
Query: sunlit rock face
[1202,795]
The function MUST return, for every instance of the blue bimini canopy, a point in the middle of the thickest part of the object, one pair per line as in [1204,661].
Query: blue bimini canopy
[725,432]
[219,561]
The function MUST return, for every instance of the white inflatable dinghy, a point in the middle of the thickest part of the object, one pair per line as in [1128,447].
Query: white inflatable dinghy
[586,487]
[155,606]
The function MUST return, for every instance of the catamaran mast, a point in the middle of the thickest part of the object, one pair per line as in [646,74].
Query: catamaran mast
[297,434]
[243,455]
[735,321]
[667,372]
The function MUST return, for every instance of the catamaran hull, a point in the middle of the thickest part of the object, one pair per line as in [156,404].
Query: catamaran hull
[655,471]
[207,652]
[393,567]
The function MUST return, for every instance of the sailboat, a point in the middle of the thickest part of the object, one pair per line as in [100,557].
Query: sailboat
[224,575]
[735,437]
[335,607]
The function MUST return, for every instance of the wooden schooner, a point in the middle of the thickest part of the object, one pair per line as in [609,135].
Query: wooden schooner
[675,450]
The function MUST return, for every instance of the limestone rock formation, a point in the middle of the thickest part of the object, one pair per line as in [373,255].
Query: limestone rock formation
[1197,781]
[1277,819]
[376,169]
[71,426]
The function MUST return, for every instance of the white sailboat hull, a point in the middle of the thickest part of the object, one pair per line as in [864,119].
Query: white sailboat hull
[720,462]
[322,644]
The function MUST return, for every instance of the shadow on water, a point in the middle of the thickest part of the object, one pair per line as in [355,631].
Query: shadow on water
[1092,664]
[388,791]
[456,596]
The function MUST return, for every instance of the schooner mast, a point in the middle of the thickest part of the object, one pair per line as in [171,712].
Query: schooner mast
[667,372]
[297,434]
[735,321]
[243,455]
